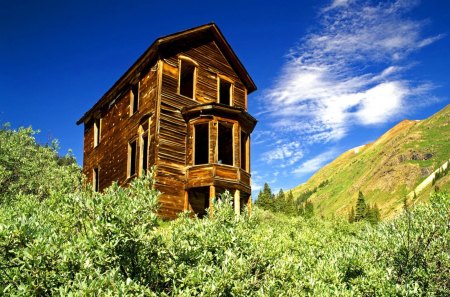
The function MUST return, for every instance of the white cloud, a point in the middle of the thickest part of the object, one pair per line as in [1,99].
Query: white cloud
[348,72]
[381,102]
[259,137]
[314,163]
[284,153]
[337,3]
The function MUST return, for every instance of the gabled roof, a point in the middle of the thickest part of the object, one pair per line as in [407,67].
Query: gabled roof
[152,54]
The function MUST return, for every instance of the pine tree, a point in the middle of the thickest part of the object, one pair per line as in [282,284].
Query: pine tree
[361,207]
[290,204]
[351,215]
[265,198]
[373,214]
[309,209]
[299,207]
[279,202]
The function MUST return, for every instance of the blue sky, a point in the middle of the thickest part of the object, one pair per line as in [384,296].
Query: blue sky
[331,75]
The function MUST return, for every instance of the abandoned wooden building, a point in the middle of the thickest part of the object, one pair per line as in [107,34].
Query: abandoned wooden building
[182,106]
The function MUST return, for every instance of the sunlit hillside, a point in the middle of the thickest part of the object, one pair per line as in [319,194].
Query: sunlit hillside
[386,170]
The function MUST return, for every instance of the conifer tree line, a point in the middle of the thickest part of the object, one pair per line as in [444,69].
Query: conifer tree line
[364,211]
[284,203]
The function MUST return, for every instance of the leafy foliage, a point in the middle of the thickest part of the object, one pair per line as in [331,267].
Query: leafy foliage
[93,242]
[86,243]
[27,168]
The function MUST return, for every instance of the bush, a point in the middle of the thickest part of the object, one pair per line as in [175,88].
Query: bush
[73,241]
[27,168]
[84,241]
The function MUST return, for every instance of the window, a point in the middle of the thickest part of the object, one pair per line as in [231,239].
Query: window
[134,99]
[95,180]
[201,146]
[244,139]
[97,131]
[144,153]
[199,200]
[132,150]
[225,143]
[187,79]
[225,91]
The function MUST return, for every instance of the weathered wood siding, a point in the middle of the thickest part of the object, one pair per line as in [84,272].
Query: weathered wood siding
[170,138]
[117,129]
[173,155]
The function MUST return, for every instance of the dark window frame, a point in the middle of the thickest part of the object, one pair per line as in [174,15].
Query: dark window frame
[134,99]
[225,87]
[187,78]
[96,179]
[201,144]
[244,150]
[225,143]
[97,131]
[132,158]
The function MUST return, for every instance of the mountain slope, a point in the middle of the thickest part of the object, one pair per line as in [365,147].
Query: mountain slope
[385,170]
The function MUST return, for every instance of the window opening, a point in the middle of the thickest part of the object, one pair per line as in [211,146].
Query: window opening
[144,160]
[199,200]
[96,181]
[244,139]
[201,148]
[97,131]
[187,71]
[225,92]
[244,201]
[134,99]
[225,145]
[132,150]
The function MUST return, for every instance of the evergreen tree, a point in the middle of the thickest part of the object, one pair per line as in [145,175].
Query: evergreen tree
[265,198]
[290,204]
[279,202]
[351,215]
[309,209]
[373,214]
[361,207]
[299,207]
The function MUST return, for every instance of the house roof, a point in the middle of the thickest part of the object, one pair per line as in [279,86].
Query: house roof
[152,54]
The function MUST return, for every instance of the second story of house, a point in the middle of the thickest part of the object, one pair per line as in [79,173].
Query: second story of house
[186,84]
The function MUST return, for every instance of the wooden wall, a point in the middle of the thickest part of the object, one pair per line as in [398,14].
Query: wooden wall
[172,156]
[169,132]
[117,129]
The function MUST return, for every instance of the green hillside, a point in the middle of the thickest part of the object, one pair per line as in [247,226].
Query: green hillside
[385,170]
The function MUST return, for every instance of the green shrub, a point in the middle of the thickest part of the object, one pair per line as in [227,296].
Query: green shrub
[73,241]
[27,168]
[83,241]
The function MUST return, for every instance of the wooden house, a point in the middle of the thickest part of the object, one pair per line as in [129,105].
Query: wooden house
[182,106]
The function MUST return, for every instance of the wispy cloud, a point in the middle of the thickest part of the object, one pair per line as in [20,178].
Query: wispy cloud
[349,71]
[337,3]
[315,163]
[285,154]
